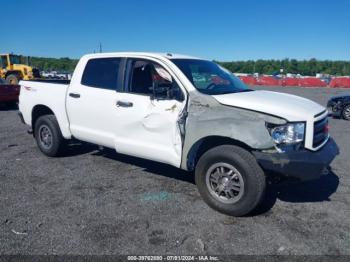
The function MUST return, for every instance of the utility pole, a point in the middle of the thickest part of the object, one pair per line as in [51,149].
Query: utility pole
[100,47]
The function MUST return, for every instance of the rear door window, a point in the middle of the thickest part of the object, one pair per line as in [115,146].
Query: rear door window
[102,73]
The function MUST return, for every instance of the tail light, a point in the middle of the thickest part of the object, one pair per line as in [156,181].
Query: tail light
[326,128]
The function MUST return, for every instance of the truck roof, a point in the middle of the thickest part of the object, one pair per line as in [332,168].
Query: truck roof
[150,54]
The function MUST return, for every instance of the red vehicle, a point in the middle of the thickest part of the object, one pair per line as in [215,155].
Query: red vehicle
[8,93]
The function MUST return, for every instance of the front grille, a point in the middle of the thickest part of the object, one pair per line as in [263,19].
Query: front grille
[320,131]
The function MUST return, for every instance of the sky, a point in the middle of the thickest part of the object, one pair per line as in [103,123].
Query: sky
[224,30]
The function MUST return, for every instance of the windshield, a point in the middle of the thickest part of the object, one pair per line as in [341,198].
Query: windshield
[15,59]
[210,78]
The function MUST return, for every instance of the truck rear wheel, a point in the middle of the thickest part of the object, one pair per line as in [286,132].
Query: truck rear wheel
[230,180]
[12,79]
[48,136]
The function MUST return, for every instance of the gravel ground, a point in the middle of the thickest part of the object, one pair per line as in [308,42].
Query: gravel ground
[98,202]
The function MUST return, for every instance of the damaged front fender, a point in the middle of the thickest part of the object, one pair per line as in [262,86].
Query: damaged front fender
[207,118]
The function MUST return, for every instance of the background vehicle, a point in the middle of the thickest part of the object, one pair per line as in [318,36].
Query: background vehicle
[48,74]
[186,112]
[64,75]
[14,68]
[56,75]
[8,93]
[339,106]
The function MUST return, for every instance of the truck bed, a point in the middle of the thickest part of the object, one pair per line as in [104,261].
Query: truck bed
[48,93]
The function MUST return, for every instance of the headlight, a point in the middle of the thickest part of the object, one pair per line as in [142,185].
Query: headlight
[291,133]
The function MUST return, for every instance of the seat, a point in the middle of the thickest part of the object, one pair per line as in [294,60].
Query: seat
[142,80]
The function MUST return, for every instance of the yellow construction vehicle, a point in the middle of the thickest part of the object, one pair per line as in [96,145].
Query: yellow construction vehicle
[14,68]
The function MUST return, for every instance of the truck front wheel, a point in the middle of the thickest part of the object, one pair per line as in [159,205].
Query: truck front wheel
[48,136]
[230,180]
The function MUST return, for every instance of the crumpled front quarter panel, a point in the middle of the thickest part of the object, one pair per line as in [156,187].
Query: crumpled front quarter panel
[207,117]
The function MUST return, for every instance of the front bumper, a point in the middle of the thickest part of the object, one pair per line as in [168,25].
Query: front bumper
[303,164]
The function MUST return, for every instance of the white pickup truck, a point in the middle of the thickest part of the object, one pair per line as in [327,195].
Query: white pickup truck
[187,112]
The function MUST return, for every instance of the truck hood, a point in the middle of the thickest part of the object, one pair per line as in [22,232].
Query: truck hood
[289,107]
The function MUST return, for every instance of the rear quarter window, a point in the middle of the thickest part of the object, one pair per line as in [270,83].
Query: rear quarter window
[101,73]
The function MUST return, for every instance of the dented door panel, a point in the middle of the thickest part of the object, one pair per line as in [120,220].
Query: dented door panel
[149,129]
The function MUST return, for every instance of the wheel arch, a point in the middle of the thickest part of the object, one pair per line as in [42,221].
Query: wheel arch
[38,111]
[204,144]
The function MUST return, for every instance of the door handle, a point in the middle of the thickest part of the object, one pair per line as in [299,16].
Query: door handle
[74,95]
[124,103]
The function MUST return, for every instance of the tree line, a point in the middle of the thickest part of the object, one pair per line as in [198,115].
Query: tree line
[303,67]
[63,64]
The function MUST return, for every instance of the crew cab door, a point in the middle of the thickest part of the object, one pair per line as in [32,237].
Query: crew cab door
[147,123]
[91,101]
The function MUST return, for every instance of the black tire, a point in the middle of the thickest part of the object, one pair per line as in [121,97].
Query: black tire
[12,79]
[254,181]
[48,124]
[346,112]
